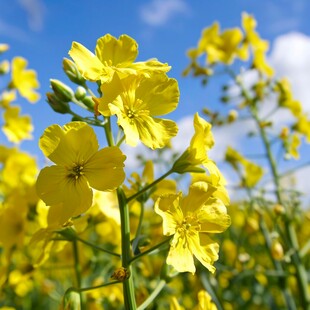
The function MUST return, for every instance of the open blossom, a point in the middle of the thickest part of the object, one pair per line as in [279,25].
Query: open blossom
[25,81]
[190,219]
[79,167]
[16,127]
[136,101]
[112,55]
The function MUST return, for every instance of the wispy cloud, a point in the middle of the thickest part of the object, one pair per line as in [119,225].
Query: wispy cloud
[35,10]
[11,31]
[159,12]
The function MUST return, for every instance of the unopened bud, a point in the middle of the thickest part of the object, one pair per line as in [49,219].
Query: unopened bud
[62,91]
[4,67]
[278,209]
[80,93]
[277,250]
[232,116]
[71,300]
[56,104]
[72,72]
[3,48]
[89,102]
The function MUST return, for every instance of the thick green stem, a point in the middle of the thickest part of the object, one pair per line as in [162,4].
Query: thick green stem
[128,285]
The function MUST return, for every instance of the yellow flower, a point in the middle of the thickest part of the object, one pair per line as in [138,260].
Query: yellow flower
[137,101]
[220,47]
[197,153]
[283,87]
[112,55]
[259,46]
[25,81]
[205,302]
[303,126]
[6,98]
[79,166]
[251,173]
[189,220]
[16,127]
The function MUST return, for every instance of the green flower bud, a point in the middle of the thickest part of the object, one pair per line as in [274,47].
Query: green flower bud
[89,102]
[80,93]
[62,91]
[71,300]
[186,164]
[72,72]
[56,104]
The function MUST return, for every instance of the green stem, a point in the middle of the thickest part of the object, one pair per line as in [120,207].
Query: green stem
[301,273]
[143,190]
[108,132]
[85,289]
[128,285]
[161,284]
[97,247]
[77,268]
[156,247]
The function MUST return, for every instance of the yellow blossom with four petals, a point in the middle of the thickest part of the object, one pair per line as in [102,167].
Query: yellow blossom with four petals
[190,219]
[79,167]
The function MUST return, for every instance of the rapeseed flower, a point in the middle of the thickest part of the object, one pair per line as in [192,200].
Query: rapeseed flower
[25,81]
[16,127]
[136,101]
[259,46]
[190,220]
[79,167]
[112,55]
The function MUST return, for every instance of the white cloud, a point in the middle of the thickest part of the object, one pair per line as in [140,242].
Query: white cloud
[290,56]
[35,11]
[159,12]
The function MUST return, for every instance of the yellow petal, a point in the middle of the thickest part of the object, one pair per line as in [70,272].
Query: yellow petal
[160,94]
[76,140]
[117,52]
[167,206]
[89,65]
[213,217]
[104,170]
[180,255]
[206,253]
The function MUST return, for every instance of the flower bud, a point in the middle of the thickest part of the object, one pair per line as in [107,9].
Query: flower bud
[3,48]
[89,102]
[72,72]
[4,67]
[80,93]
[277,250]
[56,104]
[232,116]
[62,91]
[71,300]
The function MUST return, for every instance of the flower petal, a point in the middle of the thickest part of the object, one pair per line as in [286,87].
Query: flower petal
[89,65]
[206,253]
[167,206]
[180,255]
[213,217]
[76,142]
[160,93]
[117,52]
[104,170]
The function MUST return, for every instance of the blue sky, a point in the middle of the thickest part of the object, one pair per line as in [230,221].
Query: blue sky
[42,31]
